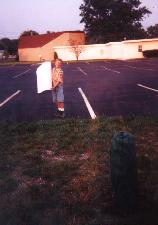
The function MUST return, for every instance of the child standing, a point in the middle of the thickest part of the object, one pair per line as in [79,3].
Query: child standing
[57,87]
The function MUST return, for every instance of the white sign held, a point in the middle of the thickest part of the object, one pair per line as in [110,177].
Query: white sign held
[44,77]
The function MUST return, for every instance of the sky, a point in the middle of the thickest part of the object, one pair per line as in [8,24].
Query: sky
[17,16]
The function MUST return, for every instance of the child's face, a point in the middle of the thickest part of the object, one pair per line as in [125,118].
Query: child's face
[58,64]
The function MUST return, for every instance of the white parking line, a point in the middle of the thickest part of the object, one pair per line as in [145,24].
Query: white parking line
[22,73]
[91,112]
[9,98]
[152,65]
[115,71]
[35,64]
[82,71]
[140,85]
[134,67]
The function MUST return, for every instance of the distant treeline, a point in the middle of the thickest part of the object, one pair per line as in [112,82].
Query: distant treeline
[9,46]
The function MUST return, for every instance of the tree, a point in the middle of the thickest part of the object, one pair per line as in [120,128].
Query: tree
[6,43]
[152,31]
[113,20]
[29,33]
[76,48]
[10,46]
[2,46]
[13,49]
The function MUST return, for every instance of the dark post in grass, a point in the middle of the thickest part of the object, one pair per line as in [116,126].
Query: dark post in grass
[124,171]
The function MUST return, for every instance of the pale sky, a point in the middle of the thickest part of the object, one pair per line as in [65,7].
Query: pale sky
[17,16]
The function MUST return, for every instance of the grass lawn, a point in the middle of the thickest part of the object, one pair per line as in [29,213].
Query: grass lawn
[58,172]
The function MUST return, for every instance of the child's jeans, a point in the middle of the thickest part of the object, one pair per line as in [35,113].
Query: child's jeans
[58,94]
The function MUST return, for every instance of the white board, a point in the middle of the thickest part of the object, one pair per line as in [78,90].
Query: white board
[44,78]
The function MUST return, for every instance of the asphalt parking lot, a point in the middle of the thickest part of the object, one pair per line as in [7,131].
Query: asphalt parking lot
[92,89]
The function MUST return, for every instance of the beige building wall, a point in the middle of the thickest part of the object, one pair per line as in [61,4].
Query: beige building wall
[76,38]
[114,50]
[88,52]
[47,51]
[29,54]
[131,47]
[131,51]
[65,53]
[150,45]
[93,52]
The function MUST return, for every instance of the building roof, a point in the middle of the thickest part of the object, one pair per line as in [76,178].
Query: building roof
[36,41]
[141,40]
[132,41]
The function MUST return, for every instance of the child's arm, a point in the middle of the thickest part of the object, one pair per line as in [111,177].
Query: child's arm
[52,77]
[57,84]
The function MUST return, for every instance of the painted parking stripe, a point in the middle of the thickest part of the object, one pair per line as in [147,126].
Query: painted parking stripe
[9,98]
[89,107]
[140,85]
[26,71]
[36,64]
[115,71]
[82,71]
[134,67]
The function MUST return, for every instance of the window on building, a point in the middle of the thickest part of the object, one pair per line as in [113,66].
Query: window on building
[140,48]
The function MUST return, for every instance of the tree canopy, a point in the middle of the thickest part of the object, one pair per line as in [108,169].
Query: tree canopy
[9,46]
[113,20]
[29,33]
[152,31]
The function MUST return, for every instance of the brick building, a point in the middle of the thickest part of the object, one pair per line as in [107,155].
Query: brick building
[40,47]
